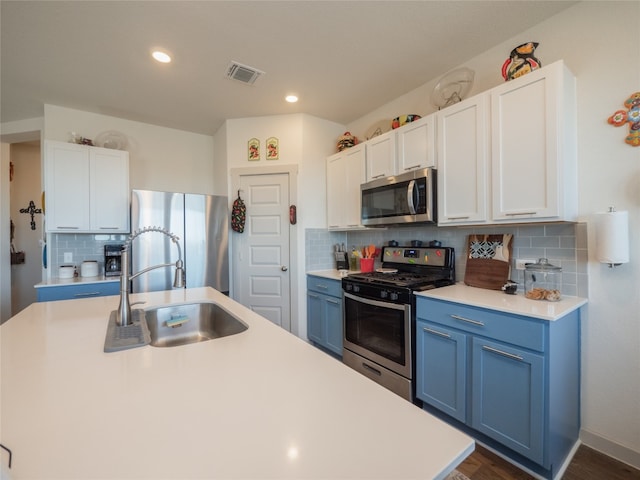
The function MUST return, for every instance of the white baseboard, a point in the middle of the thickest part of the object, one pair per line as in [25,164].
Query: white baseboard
[610,448]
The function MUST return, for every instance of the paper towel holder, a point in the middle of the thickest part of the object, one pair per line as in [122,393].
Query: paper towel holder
[612,238]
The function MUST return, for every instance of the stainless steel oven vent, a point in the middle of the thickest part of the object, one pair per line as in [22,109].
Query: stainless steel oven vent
[243,73]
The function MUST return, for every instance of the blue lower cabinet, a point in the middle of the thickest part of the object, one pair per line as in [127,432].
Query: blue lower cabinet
[78,290]
[443,384]
[508,396]
[324,313]
[511,380]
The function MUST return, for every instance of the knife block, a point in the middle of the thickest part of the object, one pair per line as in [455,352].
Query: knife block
[342,261]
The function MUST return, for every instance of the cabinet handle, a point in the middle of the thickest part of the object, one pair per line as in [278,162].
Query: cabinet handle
[504,354]
[87,294]
[521,213]
[335,302]
[458,218]
[313,295]
[378,176]
[68,228]
[319,285]
[108,228]
[468,320]
[412,167]
[435,332]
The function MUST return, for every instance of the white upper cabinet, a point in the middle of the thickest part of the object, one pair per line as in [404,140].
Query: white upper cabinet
[86,188]
[109,195]
[345,173]
[416,144]
[463,161]
[533,147]
[381,156]
[509,155]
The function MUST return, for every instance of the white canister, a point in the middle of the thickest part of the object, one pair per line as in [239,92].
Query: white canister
[89,268]
[66,271]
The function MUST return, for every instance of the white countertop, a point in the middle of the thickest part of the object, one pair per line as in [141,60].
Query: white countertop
[330,274]
[57,282]
[259,404]
[498,300]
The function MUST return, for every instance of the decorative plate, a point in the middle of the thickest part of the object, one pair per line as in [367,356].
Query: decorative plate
[111,139]
[378,128]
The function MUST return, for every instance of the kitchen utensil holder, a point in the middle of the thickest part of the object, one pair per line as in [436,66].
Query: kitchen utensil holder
[366,265]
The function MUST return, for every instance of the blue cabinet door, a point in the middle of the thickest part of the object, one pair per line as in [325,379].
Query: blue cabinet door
[508,396]
[441,358]
[315,318]
[324,313]
[334,329]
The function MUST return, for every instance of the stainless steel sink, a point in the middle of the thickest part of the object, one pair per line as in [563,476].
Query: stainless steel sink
[176,325]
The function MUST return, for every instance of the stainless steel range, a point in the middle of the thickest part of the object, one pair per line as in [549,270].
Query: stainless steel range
[379,313]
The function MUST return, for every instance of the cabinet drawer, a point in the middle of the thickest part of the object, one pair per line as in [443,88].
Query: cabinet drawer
[70,292]
[514,329]
[324,285]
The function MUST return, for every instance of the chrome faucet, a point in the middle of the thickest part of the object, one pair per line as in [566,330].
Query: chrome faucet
[123,317]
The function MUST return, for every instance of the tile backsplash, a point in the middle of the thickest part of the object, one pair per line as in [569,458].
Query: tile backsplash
[81,246]
[563,244]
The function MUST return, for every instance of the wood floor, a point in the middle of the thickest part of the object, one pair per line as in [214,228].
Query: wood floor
[587,464]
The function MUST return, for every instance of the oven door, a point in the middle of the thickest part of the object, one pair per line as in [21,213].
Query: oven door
[379,331]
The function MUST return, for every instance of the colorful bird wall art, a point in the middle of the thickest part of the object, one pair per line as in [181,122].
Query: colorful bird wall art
[630,116]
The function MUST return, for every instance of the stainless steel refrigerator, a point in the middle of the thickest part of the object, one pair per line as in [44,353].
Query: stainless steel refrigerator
[201,222]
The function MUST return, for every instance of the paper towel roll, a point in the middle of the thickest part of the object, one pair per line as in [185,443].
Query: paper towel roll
[612,237]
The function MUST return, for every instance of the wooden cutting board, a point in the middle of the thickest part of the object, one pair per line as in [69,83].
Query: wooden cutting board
[488,260]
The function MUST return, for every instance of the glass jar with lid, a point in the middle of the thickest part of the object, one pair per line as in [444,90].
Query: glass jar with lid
[542,281]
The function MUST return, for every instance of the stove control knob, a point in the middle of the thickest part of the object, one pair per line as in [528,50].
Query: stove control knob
[384,294]
[394,296]
[356,288]
[348,287]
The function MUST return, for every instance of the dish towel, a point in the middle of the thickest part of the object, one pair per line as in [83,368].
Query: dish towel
[238,214]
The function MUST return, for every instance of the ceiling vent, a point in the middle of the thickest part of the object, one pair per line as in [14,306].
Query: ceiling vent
[243,73]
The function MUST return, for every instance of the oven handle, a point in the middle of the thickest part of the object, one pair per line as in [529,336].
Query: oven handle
[376,303]
[369,368]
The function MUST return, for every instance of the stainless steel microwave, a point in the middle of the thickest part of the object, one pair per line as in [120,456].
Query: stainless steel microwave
[406,198]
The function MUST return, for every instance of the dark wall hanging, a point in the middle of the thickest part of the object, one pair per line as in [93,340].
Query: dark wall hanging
[31,210]
[17,258]
[238,214]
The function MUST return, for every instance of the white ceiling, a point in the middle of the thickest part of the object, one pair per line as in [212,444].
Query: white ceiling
[343,58]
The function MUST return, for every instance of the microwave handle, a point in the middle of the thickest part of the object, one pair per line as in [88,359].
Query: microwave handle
[410,196]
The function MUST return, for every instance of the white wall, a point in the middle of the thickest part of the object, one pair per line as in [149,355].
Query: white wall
[305,141]
[599,42]
[10,132]
[5,257]
[25,188]
[160,158]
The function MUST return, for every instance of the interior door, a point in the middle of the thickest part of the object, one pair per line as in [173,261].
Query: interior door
[261,252]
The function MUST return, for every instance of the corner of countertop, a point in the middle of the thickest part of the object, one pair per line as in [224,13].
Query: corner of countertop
[332,274]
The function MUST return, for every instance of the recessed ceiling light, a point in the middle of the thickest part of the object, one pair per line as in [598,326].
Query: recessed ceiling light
[161,56]
[291,98]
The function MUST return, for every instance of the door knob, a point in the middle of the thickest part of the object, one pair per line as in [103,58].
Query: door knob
[284,268]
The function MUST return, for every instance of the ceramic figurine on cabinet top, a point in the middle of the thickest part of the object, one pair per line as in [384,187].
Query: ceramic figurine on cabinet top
[630,116]
[346,140]
[521,61]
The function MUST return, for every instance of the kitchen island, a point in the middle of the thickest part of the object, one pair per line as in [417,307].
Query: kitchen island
[259,404]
